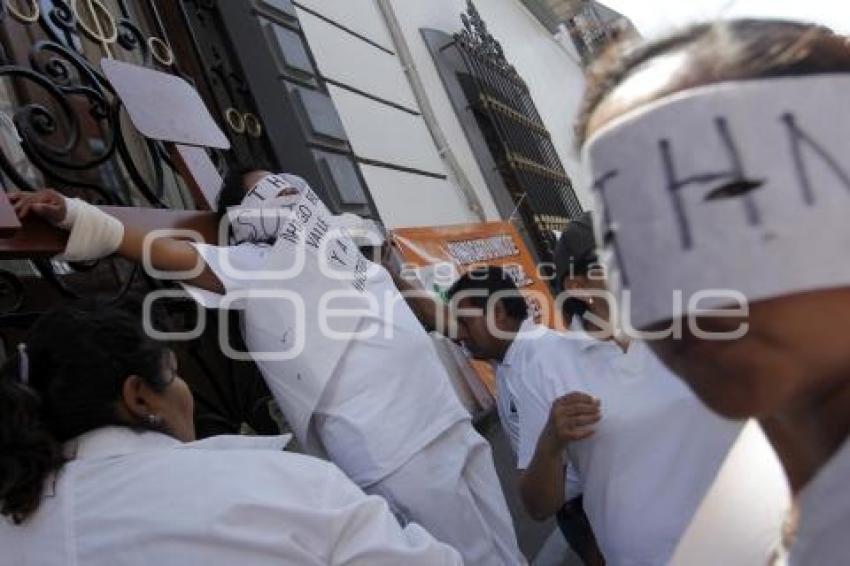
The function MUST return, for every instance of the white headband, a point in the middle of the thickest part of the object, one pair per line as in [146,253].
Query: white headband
[741,186]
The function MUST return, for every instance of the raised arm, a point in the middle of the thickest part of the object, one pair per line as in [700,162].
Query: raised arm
[170,255]
[166,254]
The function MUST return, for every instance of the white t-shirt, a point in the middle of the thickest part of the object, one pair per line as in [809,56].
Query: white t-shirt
[823,536]
[506,403]
[654,453]
[378,390]
[132,498]
[529,356]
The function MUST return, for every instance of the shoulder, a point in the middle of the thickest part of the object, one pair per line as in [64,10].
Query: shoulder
[282,479]
[546,347]
[549,364]
[250,463]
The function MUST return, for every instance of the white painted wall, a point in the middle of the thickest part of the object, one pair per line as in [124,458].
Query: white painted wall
[380,132]
[361,16]
[354,62]
[553,74]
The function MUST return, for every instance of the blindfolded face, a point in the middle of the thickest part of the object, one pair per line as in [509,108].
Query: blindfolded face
[264,209]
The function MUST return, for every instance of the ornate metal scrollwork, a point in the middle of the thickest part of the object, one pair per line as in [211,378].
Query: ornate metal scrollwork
[161,51]
[31,16]
[244,123]
[68,119]
[518,140]
[477,38]
[96,32]
[235,120]
[253,126]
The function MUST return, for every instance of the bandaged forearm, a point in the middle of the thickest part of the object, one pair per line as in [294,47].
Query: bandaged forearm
[94,233]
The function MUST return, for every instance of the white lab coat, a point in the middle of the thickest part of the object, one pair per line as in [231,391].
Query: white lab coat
[136,499]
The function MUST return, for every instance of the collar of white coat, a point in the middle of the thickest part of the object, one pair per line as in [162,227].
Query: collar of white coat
[115,441]
[526,332]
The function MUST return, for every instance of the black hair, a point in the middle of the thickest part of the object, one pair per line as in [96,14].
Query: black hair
[492,279]
[572,306]
[233,189]
[78,359]
[724,51]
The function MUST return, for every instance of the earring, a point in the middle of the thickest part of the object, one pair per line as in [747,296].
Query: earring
[590,301]
[154,420]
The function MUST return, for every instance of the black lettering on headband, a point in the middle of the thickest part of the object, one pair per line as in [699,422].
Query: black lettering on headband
[609,233]
[741,180]
[799,138]
[734,189]
[735,175]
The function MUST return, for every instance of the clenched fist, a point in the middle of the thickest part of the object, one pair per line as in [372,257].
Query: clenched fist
[573,417]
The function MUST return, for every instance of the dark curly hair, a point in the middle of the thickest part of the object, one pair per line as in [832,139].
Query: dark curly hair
[492,280]
[79,358]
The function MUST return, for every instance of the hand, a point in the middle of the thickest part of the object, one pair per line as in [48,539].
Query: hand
[573,417]
[46,203]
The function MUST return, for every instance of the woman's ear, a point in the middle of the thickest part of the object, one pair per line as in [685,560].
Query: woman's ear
[138,399]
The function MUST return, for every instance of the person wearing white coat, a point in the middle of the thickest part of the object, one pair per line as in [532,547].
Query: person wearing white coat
[98,467]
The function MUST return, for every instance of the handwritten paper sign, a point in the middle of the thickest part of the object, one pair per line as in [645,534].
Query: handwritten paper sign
[742,186]
[305,305]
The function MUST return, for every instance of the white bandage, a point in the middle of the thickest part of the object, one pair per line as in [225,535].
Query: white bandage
[737,189]
[94,233]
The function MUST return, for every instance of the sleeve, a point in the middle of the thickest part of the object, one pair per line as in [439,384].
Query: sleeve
[534,399]
[573,486]
[365,532]
[234,266]
[548,376]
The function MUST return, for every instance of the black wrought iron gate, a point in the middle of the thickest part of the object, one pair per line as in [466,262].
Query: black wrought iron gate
[515,134]
[62,125]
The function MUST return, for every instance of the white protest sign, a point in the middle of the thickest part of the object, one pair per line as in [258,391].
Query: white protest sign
[306,306]
[741,186]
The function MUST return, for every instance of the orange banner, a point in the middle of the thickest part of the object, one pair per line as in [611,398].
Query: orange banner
[442,254]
